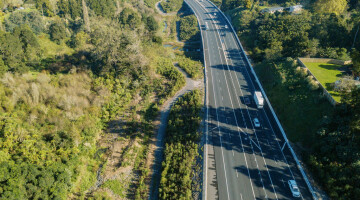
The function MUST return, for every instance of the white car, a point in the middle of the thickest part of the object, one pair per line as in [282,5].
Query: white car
[256,122]
[226,26]
[294,188]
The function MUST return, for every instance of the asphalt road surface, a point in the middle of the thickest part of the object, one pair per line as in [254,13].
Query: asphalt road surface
[242,162]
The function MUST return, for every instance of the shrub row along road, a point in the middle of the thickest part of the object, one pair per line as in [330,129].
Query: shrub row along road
[241,161]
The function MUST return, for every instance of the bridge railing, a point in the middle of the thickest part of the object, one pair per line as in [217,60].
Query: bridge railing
[271,108]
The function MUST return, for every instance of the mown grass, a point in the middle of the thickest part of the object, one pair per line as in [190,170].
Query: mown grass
[300,110]
[326,74]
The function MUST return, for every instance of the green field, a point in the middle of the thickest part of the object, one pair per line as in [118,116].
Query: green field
[326,74]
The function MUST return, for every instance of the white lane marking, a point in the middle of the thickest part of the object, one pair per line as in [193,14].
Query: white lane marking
[262,155]
[241,140]
[267,118]
[217,116]
[253,87]
[207,109]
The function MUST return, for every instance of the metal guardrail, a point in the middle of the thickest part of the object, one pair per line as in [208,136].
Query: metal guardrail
[203,194]
[271,109]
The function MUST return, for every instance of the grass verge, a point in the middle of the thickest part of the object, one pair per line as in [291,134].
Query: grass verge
[326,74]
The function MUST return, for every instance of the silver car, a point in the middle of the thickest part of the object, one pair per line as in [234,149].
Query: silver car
[256,123]
[294,188]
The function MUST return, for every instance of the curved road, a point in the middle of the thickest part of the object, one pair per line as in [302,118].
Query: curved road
[241,161]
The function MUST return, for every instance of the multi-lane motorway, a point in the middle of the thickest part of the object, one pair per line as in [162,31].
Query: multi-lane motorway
[241,161]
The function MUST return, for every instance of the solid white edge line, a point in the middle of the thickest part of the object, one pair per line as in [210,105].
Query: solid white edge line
[237,123]
[272,111]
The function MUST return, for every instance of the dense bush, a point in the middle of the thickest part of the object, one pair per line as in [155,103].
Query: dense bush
[32,19]
[189,28]
[172,5]
[166,68]
[47,124]
[181,148]
[57,31]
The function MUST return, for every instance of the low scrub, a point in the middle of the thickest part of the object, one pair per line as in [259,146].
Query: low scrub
[176,80]
[193,68]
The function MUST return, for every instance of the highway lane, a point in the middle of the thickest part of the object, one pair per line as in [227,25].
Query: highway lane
[249,161]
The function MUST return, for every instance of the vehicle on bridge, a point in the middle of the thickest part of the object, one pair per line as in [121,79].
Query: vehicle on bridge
[259,99]
[294,188]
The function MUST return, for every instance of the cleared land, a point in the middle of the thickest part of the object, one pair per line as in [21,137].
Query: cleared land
[327,74]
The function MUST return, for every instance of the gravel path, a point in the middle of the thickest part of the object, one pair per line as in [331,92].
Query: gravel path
[165,110]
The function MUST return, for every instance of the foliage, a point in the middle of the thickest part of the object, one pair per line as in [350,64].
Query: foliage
[115,186]
[330,6]
[47,124]
[151,24]
[69,7]
[335,159]
[181,148]
[57,32]
[12,52]
[32,19]
[45,7]
[355,55]
[273,36]
[105,8]
[172,5]
[129,18]
[189,27]
[193,68]
[176,80]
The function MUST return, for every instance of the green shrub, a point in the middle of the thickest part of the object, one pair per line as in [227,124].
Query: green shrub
[193,68]
[189,28]
[181,149]
[172,5]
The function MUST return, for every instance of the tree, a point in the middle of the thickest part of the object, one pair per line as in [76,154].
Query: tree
[151,24]
[86,16]
[33,19]
[12,52]
[188,27]
[129,18]
[3,67]
[45,7]
[355,56]
[330,6]
[105,8]
[57,31]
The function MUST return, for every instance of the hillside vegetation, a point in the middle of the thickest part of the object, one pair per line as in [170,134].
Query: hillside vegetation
[81,82]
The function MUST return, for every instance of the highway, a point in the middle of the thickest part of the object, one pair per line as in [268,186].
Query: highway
[241,161]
